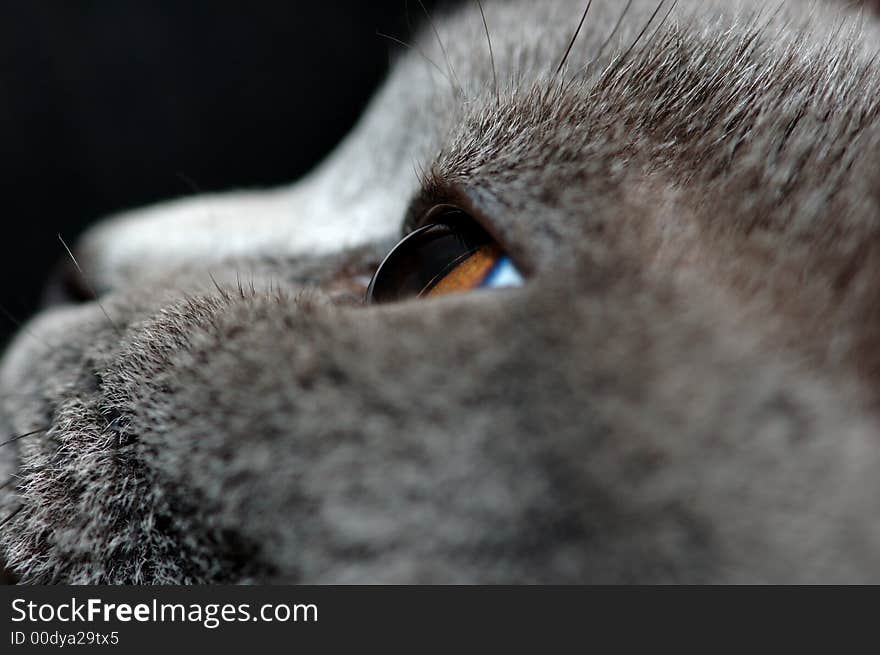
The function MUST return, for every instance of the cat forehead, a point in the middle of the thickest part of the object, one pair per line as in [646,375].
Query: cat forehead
[742,100]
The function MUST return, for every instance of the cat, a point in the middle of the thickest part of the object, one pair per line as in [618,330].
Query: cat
[677,382]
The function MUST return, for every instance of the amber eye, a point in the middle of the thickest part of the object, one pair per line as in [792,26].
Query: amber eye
[449,255]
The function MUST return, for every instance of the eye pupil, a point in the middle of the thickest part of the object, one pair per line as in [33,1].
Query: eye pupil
[452,254]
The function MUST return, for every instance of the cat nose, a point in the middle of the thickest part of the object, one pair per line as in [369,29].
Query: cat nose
[66,285]
[308,218]
[201,231]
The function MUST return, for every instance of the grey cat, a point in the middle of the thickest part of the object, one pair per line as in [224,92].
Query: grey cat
[684,388]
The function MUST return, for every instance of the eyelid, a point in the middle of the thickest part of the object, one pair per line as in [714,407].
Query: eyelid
[436,211]
[417,221]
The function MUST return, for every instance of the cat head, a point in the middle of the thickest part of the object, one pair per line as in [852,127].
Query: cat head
[629,335]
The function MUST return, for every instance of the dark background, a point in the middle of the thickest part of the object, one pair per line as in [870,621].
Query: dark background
[106,105]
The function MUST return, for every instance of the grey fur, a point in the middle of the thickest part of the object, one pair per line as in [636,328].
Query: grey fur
[684,391]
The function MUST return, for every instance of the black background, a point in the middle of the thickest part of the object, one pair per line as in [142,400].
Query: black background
[106,105]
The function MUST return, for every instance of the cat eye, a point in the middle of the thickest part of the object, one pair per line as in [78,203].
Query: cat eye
[451,254]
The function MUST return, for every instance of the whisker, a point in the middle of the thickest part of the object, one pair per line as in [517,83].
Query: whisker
[650,39]
[411,46]
[615,30]
[491,53]
[433,25]
[22,436]
[573,38]
[638,38]
[89,286]
[605,43]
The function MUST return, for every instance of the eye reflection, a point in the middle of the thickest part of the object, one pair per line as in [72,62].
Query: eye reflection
[452,255]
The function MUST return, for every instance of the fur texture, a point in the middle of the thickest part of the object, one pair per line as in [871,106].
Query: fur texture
[685,390]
